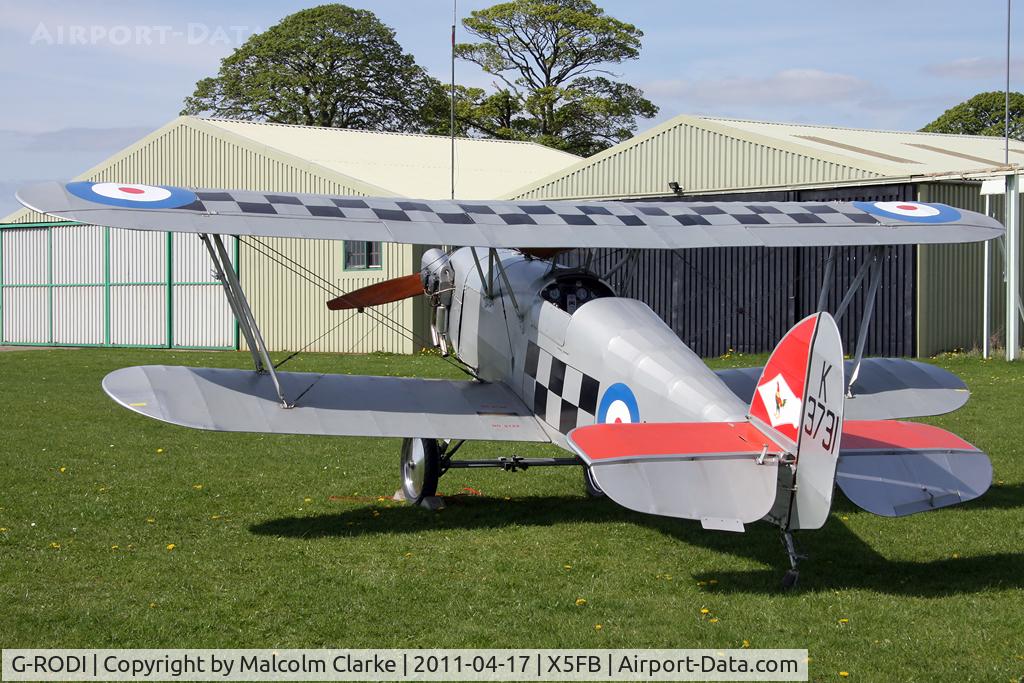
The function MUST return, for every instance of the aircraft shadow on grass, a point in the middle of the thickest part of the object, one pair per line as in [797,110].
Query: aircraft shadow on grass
[837,557]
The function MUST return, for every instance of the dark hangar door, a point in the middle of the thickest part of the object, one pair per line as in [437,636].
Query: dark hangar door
[745,298]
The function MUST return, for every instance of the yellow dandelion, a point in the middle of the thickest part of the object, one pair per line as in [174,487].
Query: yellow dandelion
[956,556]
[713,620]
[170,547]
[3,530]
[567,566]
[310,500]
[844,620]
[705,610]
[408,554]
[580,602]
[845,518]
[668,577]
[702,583]
[152,605]
[844,674]
[598,627]
[63,470]
[131,546]
[55,545]
[115,547]
[214,516]
[159,450]
[197,487]
[150,520]
[746,643]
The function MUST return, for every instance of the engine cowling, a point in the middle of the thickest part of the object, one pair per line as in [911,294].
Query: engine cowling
[438,277]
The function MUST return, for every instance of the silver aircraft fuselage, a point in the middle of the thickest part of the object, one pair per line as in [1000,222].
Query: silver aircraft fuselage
[574,351]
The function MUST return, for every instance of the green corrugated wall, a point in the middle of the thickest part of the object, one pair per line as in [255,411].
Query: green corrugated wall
[950,280]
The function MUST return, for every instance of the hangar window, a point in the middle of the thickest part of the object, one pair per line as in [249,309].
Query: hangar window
[361,255]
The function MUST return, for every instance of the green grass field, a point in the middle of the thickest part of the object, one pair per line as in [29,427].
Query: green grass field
[119,531]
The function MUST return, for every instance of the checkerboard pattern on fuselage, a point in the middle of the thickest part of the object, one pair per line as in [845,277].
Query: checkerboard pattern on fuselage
[525,213]
[559,394]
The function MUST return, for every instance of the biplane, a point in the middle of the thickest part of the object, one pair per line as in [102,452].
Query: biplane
[555,356]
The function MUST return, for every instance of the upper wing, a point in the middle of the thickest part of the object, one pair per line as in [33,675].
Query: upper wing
[328,405]
[522,224]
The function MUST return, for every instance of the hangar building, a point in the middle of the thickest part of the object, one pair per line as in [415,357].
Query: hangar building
[79,285]
[931,298]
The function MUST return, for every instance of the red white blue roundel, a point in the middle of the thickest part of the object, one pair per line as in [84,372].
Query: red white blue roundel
[132,195]
[618,405]
[914,212]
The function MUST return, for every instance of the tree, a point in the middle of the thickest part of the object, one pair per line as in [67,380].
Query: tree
[983,114]
[550,57]
[331,66]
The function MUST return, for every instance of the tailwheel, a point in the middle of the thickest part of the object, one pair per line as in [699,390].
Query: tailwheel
[420,469]
[594,489]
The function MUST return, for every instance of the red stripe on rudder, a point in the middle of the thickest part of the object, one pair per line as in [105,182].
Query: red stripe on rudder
[875,435]
[789,359]
[605,441]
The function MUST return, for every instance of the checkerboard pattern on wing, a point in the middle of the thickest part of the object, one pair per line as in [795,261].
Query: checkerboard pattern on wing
[528,213]
[562,396]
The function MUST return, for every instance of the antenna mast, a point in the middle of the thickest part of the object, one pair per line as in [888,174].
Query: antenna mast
[451,121]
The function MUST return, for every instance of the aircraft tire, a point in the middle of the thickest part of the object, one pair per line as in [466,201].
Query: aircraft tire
[419,469]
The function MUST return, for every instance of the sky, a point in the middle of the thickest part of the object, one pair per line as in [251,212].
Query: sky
[81,80]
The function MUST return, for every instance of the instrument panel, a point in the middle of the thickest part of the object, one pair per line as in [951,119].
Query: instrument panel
[569,292]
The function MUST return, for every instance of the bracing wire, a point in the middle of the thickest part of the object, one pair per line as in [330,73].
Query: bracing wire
[332,289]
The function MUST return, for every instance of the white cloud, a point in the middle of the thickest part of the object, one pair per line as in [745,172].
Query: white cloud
[973,68]
[783,88]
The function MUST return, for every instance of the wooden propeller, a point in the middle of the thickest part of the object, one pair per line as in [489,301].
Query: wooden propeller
[378,293]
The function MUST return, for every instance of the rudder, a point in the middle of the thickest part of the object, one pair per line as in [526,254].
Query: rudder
[799,403]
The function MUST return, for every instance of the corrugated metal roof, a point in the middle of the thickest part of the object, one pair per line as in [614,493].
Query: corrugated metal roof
[707,154]
[904,153]
[188,149]
[408,164]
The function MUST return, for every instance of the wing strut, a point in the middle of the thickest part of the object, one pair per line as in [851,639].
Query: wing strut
[225,272]
[873,267]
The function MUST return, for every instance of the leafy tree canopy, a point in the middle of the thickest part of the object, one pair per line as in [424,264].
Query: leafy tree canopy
[330,65]
[983,114]
[550,58]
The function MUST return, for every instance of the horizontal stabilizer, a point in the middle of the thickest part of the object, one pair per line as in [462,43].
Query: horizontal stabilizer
[703,471]
[899,468]
[228,400]
[886,389]
[518,224]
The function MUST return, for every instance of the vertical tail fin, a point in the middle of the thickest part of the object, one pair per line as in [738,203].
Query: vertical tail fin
[799,402]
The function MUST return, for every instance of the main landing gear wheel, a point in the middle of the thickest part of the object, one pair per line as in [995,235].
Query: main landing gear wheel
[420,469]
[594,489]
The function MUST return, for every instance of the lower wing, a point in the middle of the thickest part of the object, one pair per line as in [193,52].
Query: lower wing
[230,400]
